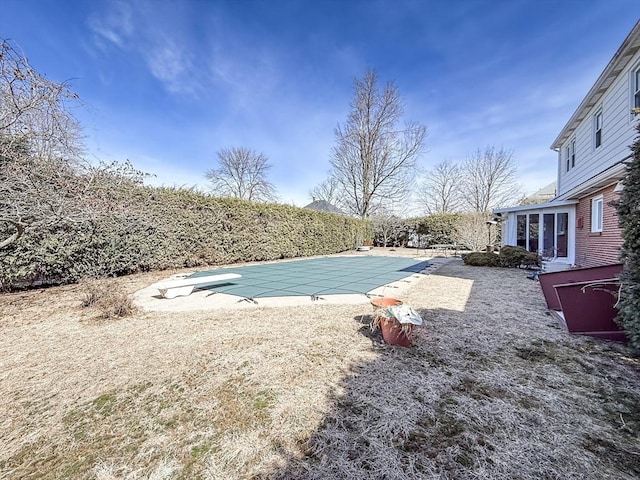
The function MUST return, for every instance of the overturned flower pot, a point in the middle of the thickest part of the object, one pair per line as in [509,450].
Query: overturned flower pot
[397,323]
[384,302]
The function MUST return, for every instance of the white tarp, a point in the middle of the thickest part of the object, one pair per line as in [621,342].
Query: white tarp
[404,314]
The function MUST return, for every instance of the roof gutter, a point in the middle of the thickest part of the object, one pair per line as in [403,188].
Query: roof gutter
[536,206]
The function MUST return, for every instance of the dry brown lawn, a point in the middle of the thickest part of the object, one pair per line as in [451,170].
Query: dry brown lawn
[491,388]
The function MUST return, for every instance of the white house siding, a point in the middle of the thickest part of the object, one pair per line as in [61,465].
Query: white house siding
[596,171]
[618,131]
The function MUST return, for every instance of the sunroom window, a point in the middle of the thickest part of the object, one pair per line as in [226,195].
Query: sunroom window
[544,233]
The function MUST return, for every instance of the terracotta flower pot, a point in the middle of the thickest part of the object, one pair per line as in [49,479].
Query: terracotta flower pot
[384,302]
[393,334]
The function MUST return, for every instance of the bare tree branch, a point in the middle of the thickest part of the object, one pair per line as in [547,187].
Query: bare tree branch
[374,160]
[44,178]
[440,192]
[328,190]
[490,180]
[242,173]
[19,230]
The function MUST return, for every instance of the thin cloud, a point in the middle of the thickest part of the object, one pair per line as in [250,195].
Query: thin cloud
[172,66]
[248,75]
[115,26]
[132,27]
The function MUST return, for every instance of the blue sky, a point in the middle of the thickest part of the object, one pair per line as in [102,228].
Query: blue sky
[169,83]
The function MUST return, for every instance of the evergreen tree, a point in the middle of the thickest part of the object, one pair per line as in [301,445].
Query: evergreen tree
[629,214]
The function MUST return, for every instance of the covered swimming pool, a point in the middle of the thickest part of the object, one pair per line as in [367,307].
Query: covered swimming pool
[316,276]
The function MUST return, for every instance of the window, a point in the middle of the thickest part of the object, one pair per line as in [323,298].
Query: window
[598,128]
[572,151]
[548,235]
[636,88]
[597,213]
[534,231]
[544,233]
[522,231]
[561,236]
[570,154]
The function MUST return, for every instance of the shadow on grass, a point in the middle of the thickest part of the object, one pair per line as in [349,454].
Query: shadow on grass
[492,390]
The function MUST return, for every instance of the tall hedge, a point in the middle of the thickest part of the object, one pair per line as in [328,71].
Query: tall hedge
[439,228]
[629,215]
[160,228]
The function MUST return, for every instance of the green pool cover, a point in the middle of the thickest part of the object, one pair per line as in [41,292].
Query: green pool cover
[315,277]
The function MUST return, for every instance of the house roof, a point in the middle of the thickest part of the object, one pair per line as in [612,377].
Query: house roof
[324,206]
[616,65]
[607,177]
[547,192]
[555,203]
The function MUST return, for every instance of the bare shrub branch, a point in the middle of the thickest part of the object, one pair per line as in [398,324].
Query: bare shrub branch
[474,232]
[390,227]
[109,298]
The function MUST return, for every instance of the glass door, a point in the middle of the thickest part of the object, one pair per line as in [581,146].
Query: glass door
[549,235]
[534,232]
[562,235]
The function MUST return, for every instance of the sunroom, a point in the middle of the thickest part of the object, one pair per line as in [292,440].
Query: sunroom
[546,228]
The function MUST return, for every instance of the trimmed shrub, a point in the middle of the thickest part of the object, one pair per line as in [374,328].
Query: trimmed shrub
[439,228]
[160,228]
[514,257]
[509,257]
[481,259]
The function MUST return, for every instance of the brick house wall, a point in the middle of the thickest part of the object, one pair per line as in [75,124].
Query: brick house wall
[598,248]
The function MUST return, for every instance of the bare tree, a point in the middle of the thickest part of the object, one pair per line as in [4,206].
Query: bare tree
[328,190]
[242,173]
[44,178]
[490,180]
[440,192]
[374,159]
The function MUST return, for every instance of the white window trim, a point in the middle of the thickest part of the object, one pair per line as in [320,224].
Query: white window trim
[570,155]
[635,85]
[595,128]
[597,220]
[572,149]
[513,236]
